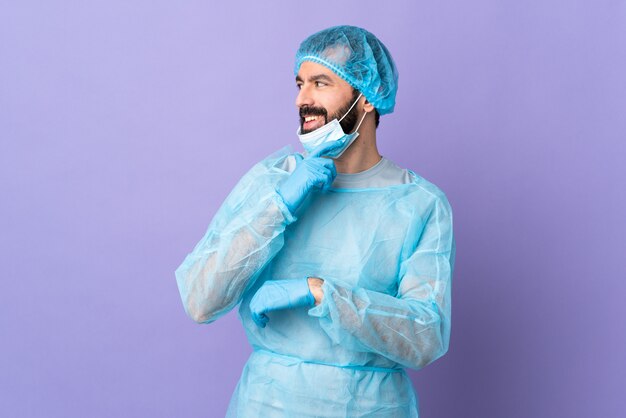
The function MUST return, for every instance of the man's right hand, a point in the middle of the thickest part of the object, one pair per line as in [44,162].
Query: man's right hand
[312,171]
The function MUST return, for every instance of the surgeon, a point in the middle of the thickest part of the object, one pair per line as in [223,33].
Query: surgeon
[340,261]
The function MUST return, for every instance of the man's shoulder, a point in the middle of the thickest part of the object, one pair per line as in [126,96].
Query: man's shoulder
[424,188]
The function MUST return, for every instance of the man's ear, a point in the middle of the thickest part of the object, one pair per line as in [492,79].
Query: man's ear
[367,106]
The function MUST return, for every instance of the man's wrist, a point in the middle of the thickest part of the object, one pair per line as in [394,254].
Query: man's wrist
[315,286]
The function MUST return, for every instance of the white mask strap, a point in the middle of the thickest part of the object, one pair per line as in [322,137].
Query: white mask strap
[357,99]
[360,122]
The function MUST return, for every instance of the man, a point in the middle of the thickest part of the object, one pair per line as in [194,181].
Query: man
[341,261]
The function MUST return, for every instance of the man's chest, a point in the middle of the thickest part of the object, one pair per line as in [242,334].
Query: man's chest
[352,243]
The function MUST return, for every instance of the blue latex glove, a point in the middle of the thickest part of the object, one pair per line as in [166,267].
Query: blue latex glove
[275,295]
[312,171]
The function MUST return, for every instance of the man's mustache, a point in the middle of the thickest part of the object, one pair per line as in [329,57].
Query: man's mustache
[313,111]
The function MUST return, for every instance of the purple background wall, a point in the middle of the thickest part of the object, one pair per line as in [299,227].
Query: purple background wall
[123,125]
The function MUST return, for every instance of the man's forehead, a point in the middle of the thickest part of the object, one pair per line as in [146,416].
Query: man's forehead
[309,70]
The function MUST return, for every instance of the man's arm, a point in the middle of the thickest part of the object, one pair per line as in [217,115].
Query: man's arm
[245,234]
[412,328]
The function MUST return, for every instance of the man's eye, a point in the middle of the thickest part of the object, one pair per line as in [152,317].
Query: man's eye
[299,86]
[319,84]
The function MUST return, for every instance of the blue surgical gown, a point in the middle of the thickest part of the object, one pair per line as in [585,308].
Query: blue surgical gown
[386,255]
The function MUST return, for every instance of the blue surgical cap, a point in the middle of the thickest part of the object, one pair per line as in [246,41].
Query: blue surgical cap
[358,57]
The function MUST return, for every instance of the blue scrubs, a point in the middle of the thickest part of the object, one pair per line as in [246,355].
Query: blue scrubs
[381,240]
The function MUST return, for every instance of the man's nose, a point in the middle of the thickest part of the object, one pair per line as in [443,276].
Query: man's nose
[304,97]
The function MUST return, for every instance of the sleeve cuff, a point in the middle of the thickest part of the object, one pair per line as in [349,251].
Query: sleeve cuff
[289,217]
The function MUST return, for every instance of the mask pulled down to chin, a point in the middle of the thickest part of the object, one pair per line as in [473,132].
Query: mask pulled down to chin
[331,133]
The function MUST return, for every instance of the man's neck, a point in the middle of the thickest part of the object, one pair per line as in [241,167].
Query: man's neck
[362,154]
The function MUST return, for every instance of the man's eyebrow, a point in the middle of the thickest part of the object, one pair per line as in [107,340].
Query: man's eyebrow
[321,77]
[317,77]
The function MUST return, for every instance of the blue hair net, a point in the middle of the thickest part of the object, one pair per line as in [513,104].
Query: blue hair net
[358,57]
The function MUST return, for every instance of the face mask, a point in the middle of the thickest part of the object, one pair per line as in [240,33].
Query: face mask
[331,132]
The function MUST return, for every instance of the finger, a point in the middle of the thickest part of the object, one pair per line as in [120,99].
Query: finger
[333,168]
[328,183]
[330,172]
[316,171]
[324,179]
[325,163]
[317,168]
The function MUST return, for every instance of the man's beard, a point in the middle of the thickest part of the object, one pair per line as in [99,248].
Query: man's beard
[347,124]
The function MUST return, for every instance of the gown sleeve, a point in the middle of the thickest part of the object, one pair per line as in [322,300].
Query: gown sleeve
[413,327]
[244,235]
